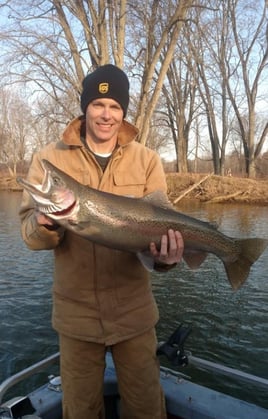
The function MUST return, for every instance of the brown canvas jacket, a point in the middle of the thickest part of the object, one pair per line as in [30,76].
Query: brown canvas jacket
[99,294]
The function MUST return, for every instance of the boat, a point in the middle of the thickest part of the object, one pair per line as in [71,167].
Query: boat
[184,399]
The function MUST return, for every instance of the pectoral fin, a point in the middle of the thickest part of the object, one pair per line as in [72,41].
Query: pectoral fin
[146,260]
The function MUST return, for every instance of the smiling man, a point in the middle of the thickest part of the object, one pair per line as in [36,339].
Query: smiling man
[103,120]
[102,298]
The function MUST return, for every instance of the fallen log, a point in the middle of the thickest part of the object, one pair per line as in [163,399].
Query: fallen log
[191,188]
[223,198]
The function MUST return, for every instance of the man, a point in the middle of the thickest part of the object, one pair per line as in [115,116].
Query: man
[101,297]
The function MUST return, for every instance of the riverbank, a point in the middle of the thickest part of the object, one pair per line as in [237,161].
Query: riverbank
[201,187]
[217,189]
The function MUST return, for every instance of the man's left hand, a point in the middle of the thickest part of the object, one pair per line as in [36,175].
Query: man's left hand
[171,249]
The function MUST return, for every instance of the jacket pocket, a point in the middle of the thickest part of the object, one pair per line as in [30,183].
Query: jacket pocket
[129,184]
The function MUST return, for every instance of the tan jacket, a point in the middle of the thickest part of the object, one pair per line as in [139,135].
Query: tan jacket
[99,294]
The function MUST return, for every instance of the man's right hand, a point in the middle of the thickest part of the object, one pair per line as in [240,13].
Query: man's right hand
[45,221]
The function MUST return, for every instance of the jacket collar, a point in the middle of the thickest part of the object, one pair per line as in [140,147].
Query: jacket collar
[76,129]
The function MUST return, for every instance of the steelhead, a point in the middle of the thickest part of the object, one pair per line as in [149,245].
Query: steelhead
[130,224]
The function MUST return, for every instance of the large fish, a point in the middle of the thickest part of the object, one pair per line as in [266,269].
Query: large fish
[130,224]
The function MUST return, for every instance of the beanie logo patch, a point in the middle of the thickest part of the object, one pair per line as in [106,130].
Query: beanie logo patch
[103,88]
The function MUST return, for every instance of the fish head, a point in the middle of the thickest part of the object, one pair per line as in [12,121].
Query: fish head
[55,197]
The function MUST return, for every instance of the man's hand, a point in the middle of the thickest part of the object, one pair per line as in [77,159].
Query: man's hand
[171,250]
[45,221]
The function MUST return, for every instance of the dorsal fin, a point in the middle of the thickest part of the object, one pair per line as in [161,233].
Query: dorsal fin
[158,198]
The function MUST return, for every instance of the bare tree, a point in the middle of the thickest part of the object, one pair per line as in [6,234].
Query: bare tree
[250,34]
[161,22]
[179,54]
[52,44]
[208,46]
[261,131]
[180,105]
[15,129]
[229,46]
[55,42]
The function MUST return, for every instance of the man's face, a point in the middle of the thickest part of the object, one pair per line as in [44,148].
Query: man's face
[103,120]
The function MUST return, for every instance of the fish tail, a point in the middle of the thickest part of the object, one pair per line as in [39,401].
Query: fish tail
[250,251]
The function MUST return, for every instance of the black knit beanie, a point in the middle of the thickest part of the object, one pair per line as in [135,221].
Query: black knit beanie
[107,81]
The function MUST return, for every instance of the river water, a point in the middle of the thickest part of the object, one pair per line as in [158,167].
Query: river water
[229,327]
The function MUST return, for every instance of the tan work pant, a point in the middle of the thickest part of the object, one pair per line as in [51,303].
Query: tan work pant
[137,368]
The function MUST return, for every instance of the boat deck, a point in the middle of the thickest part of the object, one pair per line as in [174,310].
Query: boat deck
[184,399]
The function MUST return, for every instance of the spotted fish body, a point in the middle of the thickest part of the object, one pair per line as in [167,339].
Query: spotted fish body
[130,224]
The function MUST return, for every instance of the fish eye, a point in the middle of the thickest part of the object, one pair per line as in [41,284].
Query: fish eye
[56,180]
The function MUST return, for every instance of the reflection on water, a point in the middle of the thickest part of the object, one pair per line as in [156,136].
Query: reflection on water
[228,327]
[231,219]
